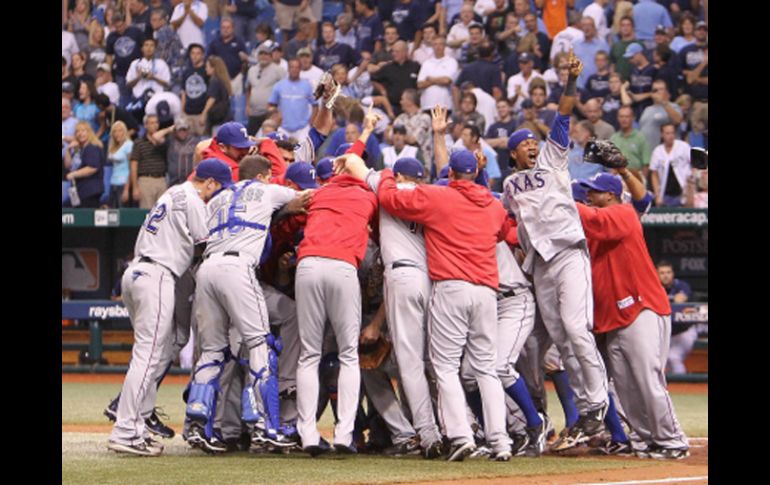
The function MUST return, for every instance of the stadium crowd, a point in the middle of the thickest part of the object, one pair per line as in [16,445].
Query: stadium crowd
[144,81]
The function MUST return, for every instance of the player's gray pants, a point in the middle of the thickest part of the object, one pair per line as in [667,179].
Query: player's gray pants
[228,294]
[637,356]
[681,346]
[530,363]
[407,294]
[377,383]
[148,294]
[565,300]
[327,288]
[282,312]
[463,316]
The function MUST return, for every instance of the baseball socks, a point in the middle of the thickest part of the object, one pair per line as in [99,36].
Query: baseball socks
[566,397]
[519,393]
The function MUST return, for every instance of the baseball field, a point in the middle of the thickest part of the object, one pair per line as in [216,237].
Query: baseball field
[86,460]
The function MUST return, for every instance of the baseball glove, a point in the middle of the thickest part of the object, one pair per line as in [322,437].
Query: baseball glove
[371,356]
[605,153]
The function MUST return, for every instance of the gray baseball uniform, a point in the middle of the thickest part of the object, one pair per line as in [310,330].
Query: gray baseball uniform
[228,292]
[407,293]
[552,237]
[164,251]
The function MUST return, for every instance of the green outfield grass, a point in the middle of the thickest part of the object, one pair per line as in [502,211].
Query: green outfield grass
[85,459]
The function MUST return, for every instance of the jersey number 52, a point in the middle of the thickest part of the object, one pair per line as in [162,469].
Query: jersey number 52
[157,215]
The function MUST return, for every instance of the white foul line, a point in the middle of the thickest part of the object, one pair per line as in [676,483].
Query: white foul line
[662,480]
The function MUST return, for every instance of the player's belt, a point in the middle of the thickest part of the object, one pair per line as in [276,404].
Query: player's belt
[226,253]
[403,264]
[509,293]
[145,259]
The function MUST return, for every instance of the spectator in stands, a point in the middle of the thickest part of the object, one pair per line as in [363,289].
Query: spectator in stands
[535,42]
[289,13]
[640,82]
[109,114]
[422,49]
[537,95]
[694,60]
[169,46]
[697,190]
[277,53]
[78,21]
[495,19]
[683,336]
[598,83]
[96,49]
[78,71]
[194,88]
[260,81]
[613,101]
[382,57]
[345,34]
[668,71]
[632,143]
[400,148]
[483,73]
[661,112]
[105,85]
[436,77]
[596,12]
[470,139]
[670,168]
[188,19]
[418,124]
[394,78]
[578,169]
[567,38]
[138,15]
[293,97]
[528,119]
[518,85]
[617,53]
[409,15]
[232,51]
[148,73]
[331,52]
[148,166]
[507,40]
[553,99]
[459,33]
[166,105]
[448,9]
[468,114]
[85,108]
[245,15]
[308,71]
[360,81]
[623,8]
[469,51]
[369,32]
[217,108]
[551,75]
[118,151]
[661,39]
[181,151]
[522,8]
[587,48]
[68,123]
[69,46]
[593,112]
[303,38]
[498,133]
[84,158]
[647,16]
[485,103]
[686,33]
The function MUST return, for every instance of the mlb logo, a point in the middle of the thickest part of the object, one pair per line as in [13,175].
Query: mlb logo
[80,269]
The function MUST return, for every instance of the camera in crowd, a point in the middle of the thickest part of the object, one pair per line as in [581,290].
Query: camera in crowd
[699,158]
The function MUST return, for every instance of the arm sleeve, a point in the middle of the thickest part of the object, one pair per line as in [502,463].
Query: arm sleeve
[196,220]
[357,148]
[373,179]
[281,195]
[412,205]
[274,96]
[643,205]
[92,157]
[560,130]
[607,224]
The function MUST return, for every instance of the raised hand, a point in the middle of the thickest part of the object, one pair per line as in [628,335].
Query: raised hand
[574,63]
[439,119]
[371,119]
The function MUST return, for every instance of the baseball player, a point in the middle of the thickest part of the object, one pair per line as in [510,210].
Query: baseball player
[326,286]
[228,293]
[164,250]
[324,170]
[549,231]
[462,224]
[633,310]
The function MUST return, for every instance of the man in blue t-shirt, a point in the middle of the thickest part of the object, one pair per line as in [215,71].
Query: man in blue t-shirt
[293,97]
[647,16]
[232,50]
[369,32]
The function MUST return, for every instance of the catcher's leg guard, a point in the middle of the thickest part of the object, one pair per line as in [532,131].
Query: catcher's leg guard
[202,397]
[267,405]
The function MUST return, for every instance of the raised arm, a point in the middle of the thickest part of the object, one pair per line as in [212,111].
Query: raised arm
[439,122]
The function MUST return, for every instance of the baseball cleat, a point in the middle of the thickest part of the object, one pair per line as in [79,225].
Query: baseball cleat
[588,425]
[480,452]
[504,455]
[111,411]
[433,451]
[321,448]
[345,449]
[613,448]
[520,444]
[151,443]
[197,439]
[260,436]
[461,451]
[660,453]
[536,436]
[155,425]
[140,449]
[408,447]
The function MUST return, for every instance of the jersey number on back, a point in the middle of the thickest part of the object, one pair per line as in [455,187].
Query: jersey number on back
[158,215]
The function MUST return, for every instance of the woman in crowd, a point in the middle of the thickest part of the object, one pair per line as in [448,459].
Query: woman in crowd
[84,158]
[118,152]
[217,109]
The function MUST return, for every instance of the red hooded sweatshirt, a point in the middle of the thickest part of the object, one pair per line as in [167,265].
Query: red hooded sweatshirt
[267,148]
[463,224]
[625,281]
[337,220]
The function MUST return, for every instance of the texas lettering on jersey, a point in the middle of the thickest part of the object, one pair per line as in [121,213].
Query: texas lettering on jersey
[526,181]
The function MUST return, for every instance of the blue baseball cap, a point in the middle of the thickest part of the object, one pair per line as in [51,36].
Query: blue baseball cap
[324,168]
[442,182]
[632,50]
[215,169]
[302,174]
[444,173]
[344,147]
[411,167]
[579,193]
[604,182]
[519,136]
[234,134]
[463,161]
[278,136]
